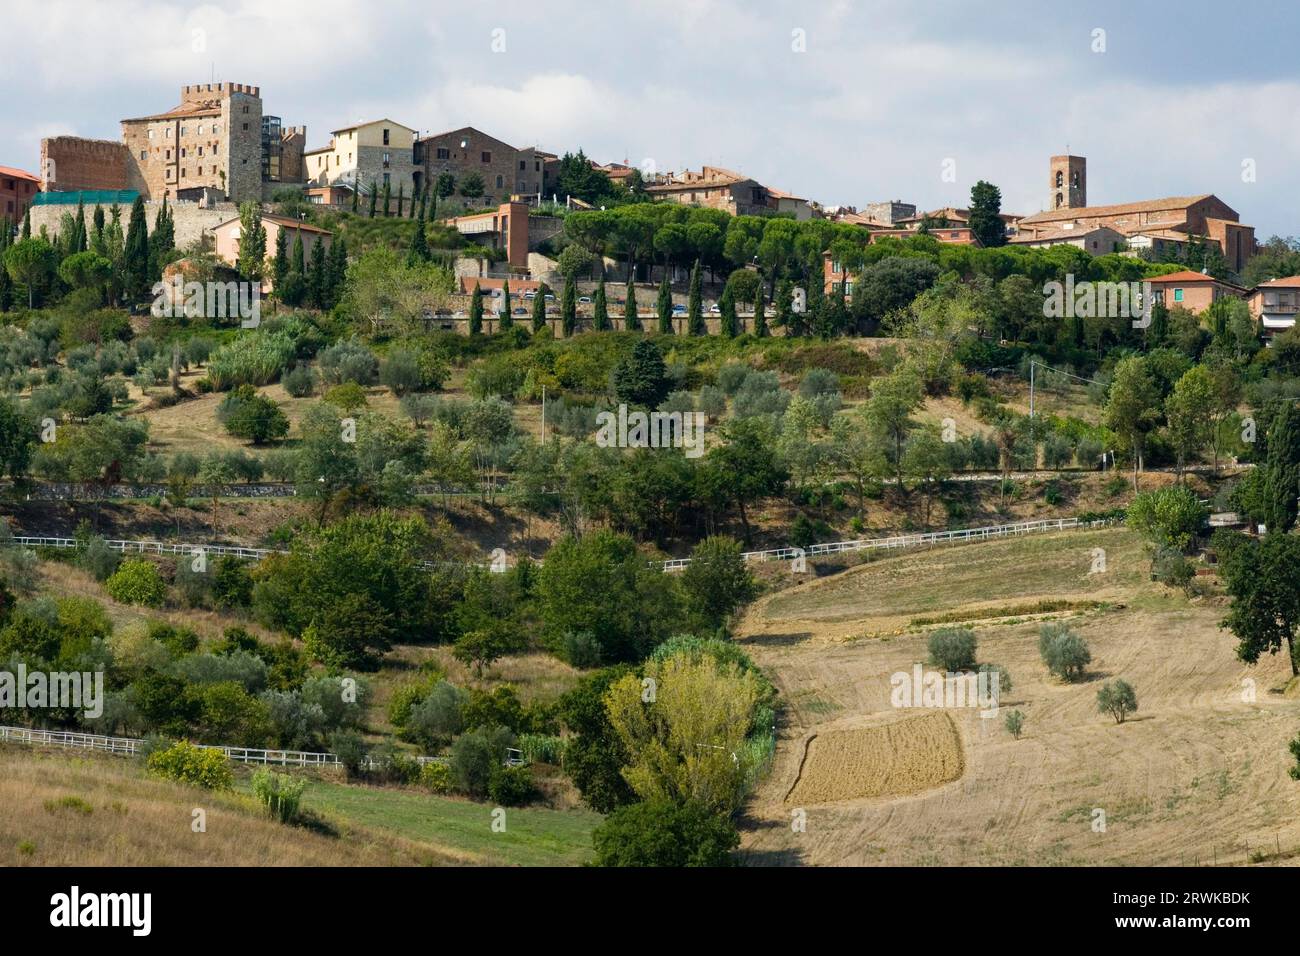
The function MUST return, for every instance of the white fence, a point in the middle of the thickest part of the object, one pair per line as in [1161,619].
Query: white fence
[130,746]
[908,540]
[674,564]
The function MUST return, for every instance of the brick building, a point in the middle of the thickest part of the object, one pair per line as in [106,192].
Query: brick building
[17,187]
[215,140]
[506,170]
[1193,291]
[1173,219]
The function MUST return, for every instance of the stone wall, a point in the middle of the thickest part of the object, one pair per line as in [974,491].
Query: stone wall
[192,220]
[71,163]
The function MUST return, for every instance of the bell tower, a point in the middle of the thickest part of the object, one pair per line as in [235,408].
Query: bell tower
[1069,182]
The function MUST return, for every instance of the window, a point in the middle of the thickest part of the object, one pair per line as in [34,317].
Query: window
[182,130]
[151,134]
[182,152]
[169,154]
[216,127]
[486,156]
[522,165]
[182,172]
[537,166]
[386,178]
[200,150]
[387,158]
[144,153]
[245,110]
[500,182]
[444,152]
[245,126]
[836,266]
[1178,295]
[385,137]
[1060,179]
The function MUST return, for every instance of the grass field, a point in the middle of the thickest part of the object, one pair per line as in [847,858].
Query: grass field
[68,809]
[1197,774]
[532,837]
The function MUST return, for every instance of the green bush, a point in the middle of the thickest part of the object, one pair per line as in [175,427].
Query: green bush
[664,833]
[1063,651]
[475,755]
[952,648]
[280,793]
[137,582]
[511,786]
[436,777]
[197,766]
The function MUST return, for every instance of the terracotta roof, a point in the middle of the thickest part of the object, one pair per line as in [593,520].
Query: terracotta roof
[1290,282]
[1186,276]
[782,194]
[1048,235]
[18,173]
[1149,205]
[184,111]
[282,221]
[344,129]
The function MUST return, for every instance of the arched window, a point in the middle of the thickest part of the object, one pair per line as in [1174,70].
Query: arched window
[1059,200]
[1060,179]
[1074,179]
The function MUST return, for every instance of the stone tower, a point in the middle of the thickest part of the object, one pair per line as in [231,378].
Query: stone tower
[1069,182]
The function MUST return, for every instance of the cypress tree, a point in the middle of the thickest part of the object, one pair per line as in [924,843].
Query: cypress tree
[374,196]
[79,243]
[281,267]
[356,197]
[388,196]
[476,311]
[401,198]
[664,306]
[338,270]
[568,307]
[727,307]
[600,308]
[419,248]
[631,320]
[695,304]
[135,253]
[539,308]
[760,315]
[297,258]
[507,320]
[6,283]
[97,237]
[27,221]
[318,279]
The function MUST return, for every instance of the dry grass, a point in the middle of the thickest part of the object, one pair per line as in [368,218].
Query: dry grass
[1198,771]
[136,820]
[896,757]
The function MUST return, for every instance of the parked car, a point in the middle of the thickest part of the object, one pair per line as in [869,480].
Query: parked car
[714,310]
[584,299]
[521,311]
[530,294]
[679,310]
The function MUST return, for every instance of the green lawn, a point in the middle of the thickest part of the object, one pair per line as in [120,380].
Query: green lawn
[531,837]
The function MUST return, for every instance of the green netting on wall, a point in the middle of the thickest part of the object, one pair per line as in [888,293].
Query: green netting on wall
[90,197]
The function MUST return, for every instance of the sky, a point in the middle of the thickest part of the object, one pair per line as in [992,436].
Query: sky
[839,101]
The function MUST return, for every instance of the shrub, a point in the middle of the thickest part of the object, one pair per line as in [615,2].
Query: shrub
[439,716]
[98,559]
[1118,699]
[137,582]
[1170,567]
[350,749]
[1063,651]
[952,648]
[665,833]
[1170,517]
[542,748]
[436,777]
[349,361]
[299,381]
[1015,723]
[349,396]
[280,793]
[511,786]
[581,649]
[475,755]
[254,359]
[198,766]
